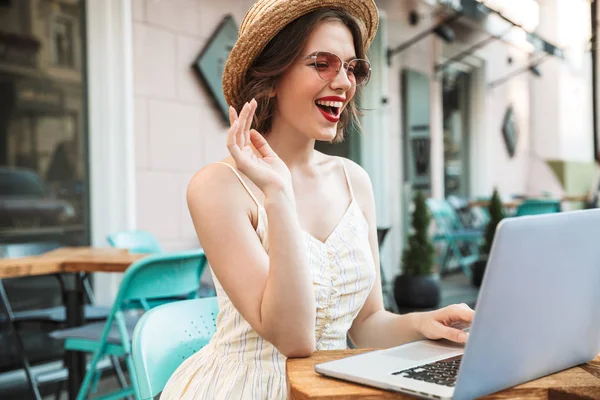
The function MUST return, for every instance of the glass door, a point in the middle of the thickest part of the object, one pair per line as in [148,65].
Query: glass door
[456,110]
[43,161]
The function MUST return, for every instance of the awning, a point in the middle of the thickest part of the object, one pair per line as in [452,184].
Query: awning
[523,14]
[497,18]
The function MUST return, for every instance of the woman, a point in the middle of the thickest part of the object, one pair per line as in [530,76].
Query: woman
[290,232]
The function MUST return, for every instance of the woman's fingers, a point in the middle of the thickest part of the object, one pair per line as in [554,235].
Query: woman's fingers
[453,334]
[252,107]
[232,115]
[241,135]
[449,322]
[232,144]
[260,144]
[244,119]
[241,139]
[253,104]
[462,315]
[460,312]
[231,134]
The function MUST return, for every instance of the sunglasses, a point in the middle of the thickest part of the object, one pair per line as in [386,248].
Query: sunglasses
[328,66]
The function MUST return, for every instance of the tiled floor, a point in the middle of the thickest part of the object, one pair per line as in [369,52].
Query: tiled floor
[106,385]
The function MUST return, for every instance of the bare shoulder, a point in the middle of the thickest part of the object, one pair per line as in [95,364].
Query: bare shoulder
[362,188]
[216,186]
[360,180]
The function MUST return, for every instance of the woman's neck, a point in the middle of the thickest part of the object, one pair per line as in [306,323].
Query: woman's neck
[294,148]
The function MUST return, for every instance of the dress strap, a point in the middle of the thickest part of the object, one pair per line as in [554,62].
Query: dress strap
[347,177]
[243,183]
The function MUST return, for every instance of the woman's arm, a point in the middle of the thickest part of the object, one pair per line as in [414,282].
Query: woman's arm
[273,292]
[374,327]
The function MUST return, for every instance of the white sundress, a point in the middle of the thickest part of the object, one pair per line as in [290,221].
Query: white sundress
[239,364]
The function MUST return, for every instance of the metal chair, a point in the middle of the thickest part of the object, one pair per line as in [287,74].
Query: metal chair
[140,241]
[154,277]
[166,336]
[460,243]
[52,317]
[471,217]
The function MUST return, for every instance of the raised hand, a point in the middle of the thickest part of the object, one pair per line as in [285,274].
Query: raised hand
[253,155]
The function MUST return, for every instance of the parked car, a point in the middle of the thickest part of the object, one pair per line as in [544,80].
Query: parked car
[28,207]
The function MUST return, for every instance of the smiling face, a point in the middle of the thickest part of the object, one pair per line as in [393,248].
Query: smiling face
[305,102]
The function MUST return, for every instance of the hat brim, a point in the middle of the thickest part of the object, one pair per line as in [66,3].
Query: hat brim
[267,18]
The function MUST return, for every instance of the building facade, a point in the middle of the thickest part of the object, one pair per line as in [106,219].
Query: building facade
[457,105]
[436,122]
[100,105]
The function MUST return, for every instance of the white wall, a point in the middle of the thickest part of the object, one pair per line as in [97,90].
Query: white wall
[508,174]
[561,101]
[571,98]
[177,129]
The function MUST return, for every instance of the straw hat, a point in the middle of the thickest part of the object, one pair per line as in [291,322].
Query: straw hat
[266,18]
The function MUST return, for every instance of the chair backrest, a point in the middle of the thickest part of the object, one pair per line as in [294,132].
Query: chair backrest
[538,206]
[154,277]
[457,202]
[135,241]
[444,215]
[167,335]
[480,217]
[162,275]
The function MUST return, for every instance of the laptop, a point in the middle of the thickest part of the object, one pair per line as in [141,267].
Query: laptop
[538,312]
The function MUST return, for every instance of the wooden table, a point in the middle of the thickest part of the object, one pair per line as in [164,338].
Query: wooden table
[515,203]
[71,262]
[582,382]
[486,203]
[68,259]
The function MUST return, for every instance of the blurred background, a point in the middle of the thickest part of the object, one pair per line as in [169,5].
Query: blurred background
[108,107]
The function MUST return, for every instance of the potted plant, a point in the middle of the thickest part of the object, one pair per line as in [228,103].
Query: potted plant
[418,286]
[496,213]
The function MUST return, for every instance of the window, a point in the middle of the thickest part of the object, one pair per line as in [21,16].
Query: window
[43,163]
[63,42]
[456,132]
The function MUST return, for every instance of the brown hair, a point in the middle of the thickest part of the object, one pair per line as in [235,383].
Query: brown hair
[281,53]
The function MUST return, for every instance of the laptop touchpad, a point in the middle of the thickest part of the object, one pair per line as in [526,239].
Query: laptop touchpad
[422,351]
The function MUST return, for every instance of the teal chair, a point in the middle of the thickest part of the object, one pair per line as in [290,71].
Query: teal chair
[135,241]
[154,277]
[538,206]
[459,243]
[166,336]
[139,241]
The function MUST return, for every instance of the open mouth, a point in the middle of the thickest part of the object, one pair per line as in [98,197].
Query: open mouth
[330,109]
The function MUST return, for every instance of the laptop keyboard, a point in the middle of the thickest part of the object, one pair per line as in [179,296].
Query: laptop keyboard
[442,372]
